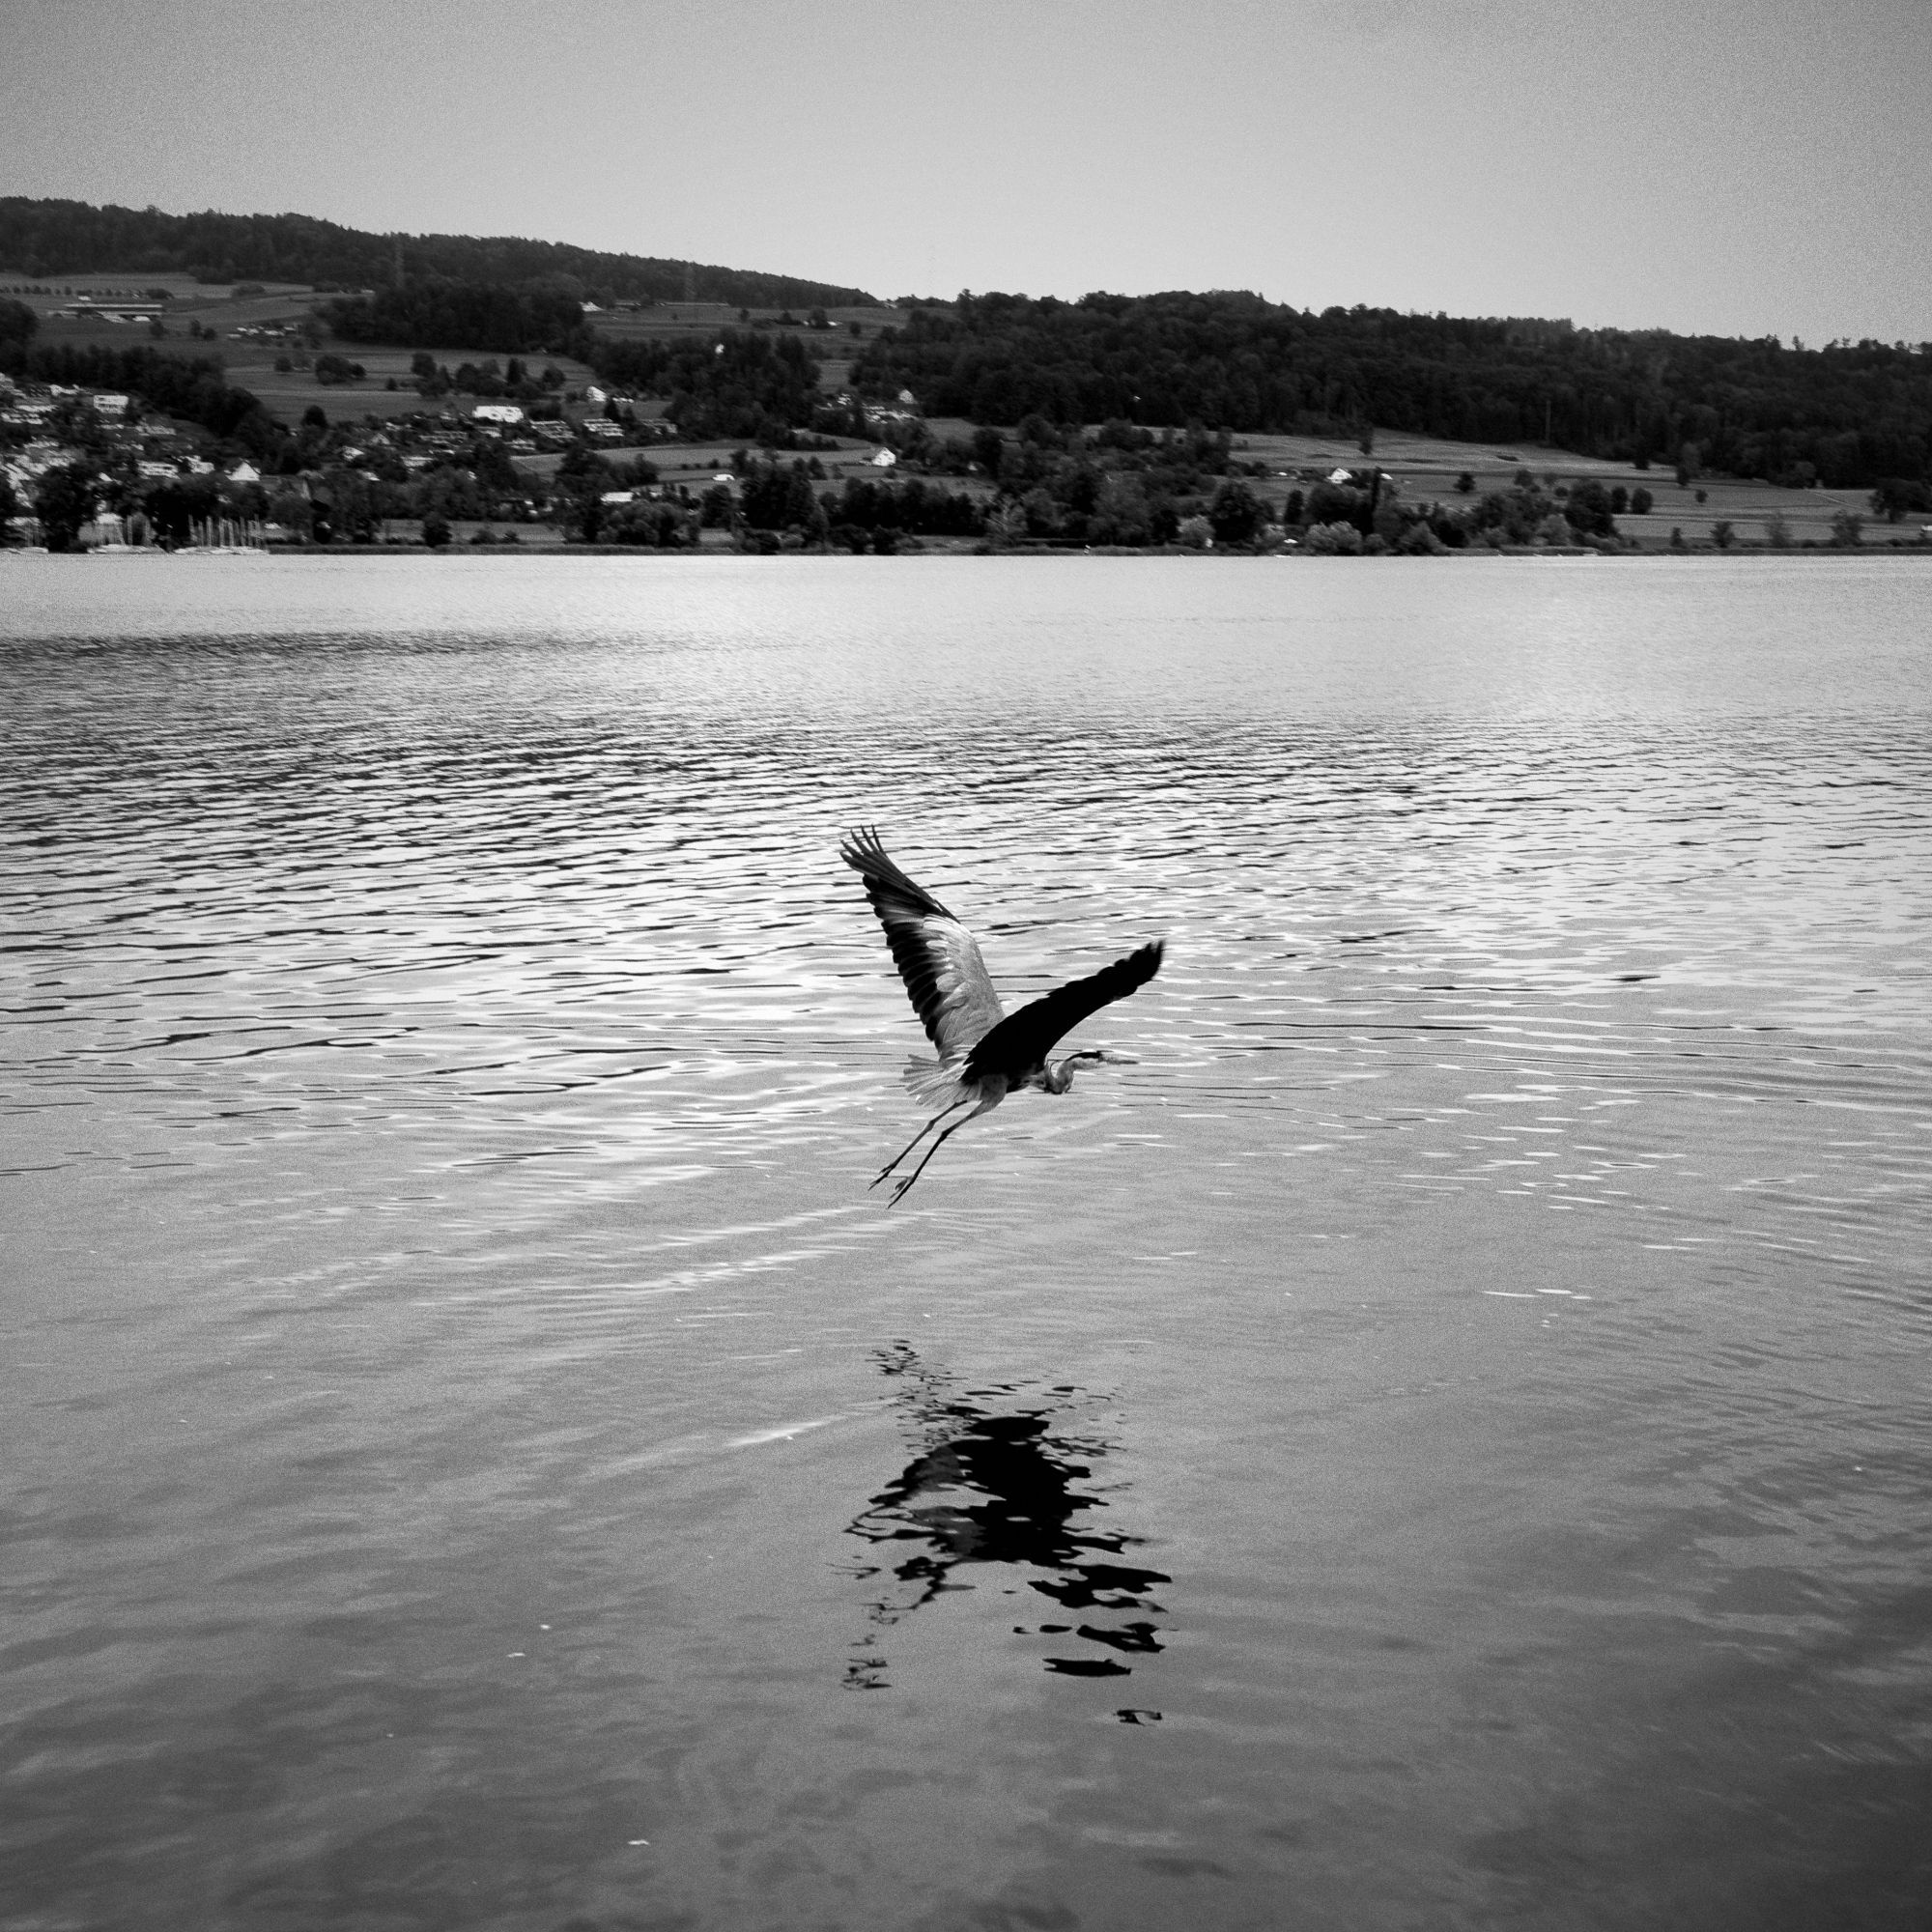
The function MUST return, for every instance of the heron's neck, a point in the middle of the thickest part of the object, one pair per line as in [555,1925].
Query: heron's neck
[1057,1079]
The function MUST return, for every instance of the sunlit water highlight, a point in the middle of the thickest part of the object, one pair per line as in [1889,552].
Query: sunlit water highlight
[1443,1442]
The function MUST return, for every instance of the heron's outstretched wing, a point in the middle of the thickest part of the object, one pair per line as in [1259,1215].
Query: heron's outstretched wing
[937,957]
[1024,1038]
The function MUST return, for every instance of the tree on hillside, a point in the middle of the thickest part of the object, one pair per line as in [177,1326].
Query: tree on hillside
[1236,514]
[74,420]
[176,503]
[577,493]
[345,505]
[1122,513]
[17,325]
[63,499]
[291,508]
[1897,497]
[1587,510]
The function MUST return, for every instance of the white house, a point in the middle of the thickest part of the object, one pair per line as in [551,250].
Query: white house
[245,472]
[496,412]
[882,459]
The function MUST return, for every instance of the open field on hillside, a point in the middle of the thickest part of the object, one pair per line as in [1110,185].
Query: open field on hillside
[1424,468]
[286,394]
[706,317]
[186,294]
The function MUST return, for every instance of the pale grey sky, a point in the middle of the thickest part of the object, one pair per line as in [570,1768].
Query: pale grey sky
[1745,167]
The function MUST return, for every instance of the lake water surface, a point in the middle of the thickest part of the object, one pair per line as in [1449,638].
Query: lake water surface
[1445,1440]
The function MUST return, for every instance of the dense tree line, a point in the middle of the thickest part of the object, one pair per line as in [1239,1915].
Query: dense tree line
[42,239]
[445,314]
[780,496]
[1844,415]
[920,509]
[742,383]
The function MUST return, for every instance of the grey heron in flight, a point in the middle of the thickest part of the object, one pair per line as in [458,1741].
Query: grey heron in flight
[984,1052]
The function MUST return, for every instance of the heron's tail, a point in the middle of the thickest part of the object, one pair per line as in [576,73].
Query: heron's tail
[934,1082]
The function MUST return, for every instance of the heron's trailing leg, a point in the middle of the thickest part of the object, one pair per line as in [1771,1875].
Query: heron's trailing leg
[986,1106]
[917,1138]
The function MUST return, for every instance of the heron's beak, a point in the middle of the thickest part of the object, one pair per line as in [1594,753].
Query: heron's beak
[1122,1059]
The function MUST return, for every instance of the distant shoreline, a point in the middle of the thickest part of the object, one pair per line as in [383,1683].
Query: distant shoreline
[511,553]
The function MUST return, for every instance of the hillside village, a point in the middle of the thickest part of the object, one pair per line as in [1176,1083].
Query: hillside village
[481,470]
[341,442]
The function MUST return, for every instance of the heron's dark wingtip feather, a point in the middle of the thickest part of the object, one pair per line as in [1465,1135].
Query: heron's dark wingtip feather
[892,895]
[858,844]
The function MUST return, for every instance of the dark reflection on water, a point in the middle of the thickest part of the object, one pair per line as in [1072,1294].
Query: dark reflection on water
[1001,1485]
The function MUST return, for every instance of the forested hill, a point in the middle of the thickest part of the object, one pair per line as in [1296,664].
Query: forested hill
[1845,415]
[44,239]
[1849,415]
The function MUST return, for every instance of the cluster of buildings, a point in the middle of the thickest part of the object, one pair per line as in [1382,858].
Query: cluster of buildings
[881,417]
[32,406]
[117,444]
[527,435]
[32,414]
[86,309]
[44,426]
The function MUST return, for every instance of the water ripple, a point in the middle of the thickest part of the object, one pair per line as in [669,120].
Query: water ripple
[1473,1363]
